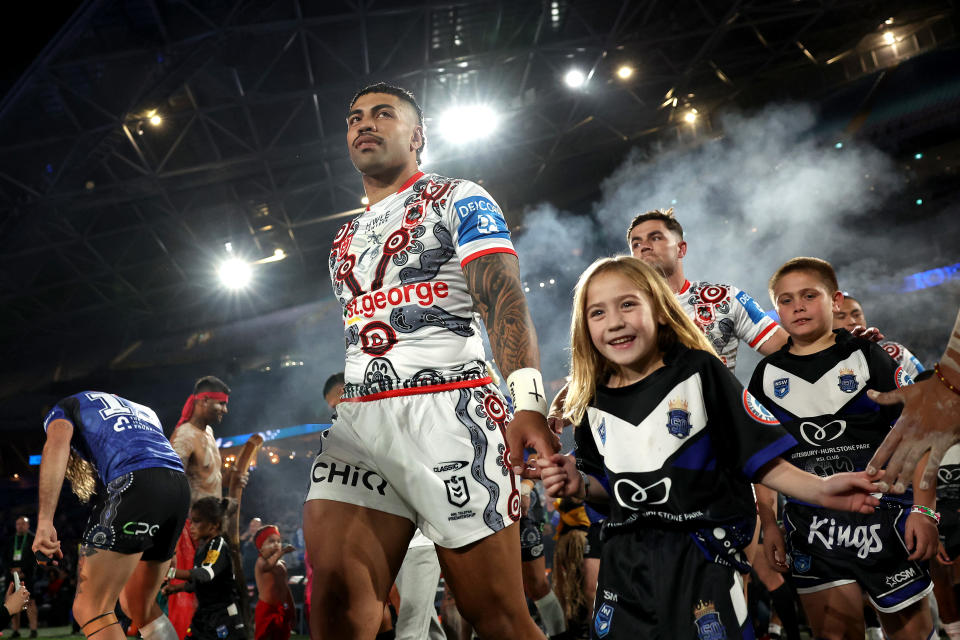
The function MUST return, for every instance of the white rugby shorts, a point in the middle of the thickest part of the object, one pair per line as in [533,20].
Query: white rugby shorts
[438,459]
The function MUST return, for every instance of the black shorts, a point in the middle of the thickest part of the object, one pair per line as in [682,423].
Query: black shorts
[950,526]
[594,546]
[531,540]
[658,585]
[141,511]
[217,623]
[833,548]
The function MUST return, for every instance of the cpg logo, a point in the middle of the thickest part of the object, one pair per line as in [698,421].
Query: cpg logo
[140,528]
[818,436]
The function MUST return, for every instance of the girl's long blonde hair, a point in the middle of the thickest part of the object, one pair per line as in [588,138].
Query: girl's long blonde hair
[587,366]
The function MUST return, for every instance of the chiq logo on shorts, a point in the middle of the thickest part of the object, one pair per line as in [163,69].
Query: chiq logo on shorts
[633,496]
[348,475]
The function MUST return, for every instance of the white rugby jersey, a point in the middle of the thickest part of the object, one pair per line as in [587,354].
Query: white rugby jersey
[902,356]
[726,315]
[397,270]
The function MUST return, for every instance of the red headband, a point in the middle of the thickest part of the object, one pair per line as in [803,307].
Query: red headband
[187,412]
[265,533]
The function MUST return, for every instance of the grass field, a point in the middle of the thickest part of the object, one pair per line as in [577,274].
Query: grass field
[63,633]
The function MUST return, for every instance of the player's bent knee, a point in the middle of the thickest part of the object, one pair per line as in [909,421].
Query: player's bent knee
[98,623]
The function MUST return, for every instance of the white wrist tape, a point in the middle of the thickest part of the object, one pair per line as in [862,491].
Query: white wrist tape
[526,389]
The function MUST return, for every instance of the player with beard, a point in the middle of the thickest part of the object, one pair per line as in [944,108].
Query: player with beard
[420,438]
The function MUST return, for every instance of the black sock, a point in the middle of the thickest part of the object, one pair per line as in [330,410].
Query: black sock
[783,604]
[870,617]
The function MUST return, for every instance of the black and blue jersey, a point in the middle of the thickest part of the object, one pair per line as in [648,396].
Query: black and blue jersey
[115,434]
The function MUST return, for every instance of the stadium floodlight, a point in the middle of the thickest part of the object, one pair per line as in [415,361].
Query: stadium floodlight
[691,116]
[235,273]
[468,123]
[889,38]
[625,72]
[575,78]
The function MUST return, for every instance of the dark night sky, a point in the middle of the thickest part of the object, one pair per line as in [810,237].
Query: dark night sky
[24,34]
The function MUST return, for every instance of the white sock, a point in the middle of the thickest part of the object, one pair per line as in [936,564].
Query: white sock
[774,628]
[953,630]
[551,613]
[159,629]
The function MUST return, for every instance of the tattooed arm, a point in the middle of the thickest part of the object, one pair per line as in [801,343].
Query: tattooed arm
[494,283]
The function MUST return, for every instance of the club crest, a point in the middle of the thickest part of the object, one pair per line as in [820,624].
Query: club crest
[781,387]
[678,422]
[708,622]
[848,381]
[801,562]
[705,314]
[603,620]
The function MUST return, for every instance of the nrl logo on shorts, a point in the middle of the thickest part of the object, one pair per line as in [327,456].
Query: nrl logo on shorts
[848,381]
[457,493]
[708,622]
[781,387]
[603,621]
[678,423]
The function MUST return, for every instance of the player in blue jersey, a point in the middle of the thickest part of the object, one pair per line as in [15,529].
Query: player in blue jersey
[115,448]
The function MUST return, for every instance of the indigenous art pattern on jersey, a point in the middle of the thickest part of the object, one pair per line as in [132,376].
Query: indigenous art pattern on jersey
[727,316]
[397,270]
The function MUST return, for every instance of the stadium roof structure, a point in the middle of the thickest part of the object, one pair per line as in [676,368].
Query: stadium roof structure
[149,134]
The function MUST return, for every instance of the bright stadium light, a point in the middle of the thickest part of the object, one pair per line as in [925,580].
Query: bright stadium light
[888,37]
[574,78]
[235,273]
[625,72]
[468,123]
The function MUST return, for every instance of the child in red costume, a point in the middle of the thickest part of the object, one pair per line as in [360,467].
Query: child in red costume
[275,608]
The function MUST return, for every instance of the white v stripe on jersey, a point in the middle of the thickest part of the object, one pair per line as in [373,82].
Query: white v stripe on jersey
[628,448]
[821,397]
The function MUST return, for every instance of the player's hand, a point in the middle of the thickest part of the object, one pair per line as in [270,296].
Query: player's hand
[775,547]
[867,333]
[942,556]
[45,541]
[849,492]
[560,477]
[930,420]
[922,537]
[16,601]
[529,429]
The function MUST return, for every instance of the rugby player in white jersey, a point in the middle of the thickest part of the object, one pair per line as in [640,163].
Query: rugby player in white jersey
[422,437]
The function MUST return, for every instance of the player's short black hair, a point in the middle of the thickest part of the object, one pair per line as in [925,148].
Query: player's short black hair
[405,95]
[331,382]
[666,217]
[211,383]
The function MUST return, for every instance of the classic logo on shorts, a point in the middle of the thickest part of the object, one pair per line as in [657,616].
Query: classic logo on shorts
[678,422]
[453,465]
[781,387]
[818,436]
[801,562]
[457,493]
[848,381]
[708,622]
[604,620]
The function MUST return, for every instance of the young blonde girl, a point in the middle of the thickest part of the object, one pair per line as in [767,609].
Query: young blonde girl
[670,438]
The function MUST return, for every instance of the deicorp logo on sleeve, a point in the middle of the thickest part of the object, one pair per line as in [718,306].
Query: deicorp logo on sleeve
[480,218]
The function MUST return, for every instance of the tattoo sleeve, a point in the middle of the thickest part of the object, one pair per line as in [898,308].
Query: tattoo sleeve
[494,282]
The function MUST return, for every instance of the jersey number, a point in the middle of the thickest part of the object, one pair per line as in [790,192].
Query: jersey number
[111,406]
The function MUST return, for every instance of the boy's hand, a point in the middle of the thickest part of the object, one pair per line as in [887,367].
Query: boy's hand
[560,477]
[921,537]
[775,548]
[849,492]
[942,556]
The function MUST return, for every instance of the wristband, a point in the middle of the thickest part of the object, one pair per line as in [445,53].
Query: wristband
[927,511]
[171,573]
[526,389]
[936,370]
